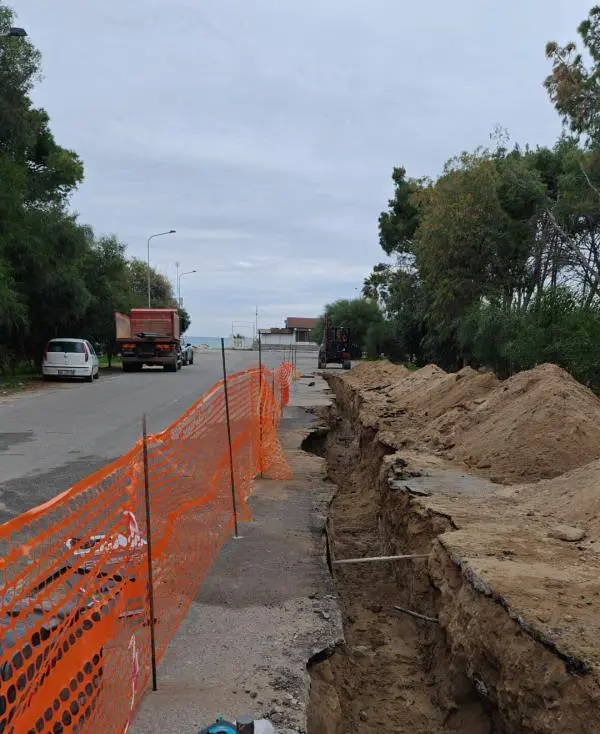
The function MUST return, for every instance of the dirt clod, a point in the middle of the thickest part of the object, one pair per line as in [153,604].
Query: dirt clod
[566,532]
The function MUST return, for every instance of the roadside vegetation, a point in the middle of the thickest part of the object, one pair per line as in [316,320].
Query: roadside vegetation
[496,262]
[57,276]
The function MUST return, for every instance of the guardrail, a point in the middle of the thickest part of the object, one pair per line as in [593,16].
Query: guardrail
[75,624]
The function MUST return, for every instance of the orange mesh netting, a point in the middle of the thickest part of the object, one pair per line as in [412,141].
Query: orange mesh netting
[75,636]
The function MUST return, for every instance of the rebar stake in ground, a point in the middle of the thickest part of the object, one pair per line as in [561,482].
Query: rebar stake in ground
[417,615]
[379,558]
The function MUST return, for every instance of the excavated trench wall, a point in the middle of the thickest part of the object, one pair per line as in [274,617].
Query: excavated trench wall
[478,670]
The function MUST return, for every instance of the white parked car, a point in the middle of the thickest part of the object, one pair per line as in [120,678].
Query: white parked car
[74,358]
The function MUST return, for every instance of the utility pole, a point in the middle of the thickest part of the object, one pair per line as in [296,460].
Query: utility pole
[256,324]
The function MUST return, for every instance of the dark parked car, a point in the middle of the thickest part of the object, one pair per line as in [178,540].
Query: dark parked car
[187,354]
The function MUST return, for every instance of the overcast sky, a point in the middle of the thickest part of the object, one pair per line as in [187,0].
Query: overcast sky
[265,131]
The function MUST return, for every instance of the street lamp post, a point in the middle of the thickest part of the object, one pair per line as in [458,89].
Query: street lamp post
[152,236]
[179,277]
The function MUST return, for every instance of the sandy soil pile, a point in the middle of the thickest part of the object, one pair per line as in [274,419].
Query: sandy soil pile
[435,393]
[374,375]
[415,384]
[537,425]
[573,497]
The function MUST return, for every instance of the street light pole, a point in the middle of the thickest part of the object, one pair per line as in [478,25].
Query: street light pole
[152,236]
[179,277]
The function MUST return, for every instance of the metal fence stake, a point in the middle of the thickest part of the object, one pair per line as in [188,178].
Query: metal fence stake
[232,473]
[424,617]
[149,550]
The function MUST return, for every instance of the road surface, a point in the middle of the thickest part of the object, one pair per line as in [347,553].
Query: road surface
[51,439]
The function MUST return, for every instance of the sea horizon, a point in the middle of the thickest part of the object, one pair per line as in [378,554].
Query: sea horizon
[213,342]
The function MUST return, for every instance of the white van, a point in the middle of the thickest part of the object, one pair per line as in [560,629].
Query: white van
[73,358]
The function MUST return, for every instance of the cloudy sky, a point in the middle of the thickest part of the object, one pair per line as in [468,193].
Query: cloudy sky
[265,131]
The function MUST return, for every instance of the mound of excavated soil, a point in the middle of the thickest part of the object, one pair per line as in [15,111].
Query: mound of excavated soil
[436,392]
[571,499]
[415,383]
[536,425]
[374,375]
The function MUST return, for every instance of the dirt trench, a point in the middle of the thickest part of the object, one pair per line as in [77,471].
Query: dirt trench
[473,667]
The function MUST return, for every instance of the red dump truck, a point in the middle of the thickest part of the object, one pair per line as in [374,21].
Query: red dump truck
[149,336]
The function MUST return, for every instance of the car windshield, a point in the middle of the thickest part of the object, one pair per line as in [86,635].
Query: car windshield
[70,347]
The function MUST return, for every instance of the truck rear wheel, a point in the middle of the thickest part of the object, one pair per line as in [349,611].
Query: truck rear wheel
[346,365]
[171,367]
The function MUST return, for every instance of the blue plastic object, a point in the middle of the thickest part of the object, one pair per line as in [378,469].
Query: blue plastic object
[219,727]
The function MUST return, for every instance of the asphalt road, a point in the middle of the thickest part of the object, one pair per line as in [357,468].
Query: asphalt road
[53,438]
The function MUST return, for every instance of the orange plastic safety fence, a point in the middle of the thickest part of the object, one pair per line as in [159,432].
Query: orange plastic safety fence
[74,620]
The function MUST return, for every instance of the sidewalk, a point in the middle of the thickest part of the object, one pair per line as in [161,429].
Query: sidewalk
[265,609]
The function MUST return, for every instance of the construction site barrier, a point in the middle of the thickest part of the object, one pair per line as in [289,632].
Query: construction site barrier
[75,648]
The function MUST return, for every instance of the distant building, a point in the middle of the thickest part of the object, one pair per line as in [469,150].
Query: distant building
[276,337]
[298,331]
[302,327]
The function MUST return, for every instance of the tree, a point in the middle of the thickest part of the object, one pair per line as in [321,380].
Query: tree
[506,268]
[397,226]
[41,245]
[44,173]
[106,271]
[497,260]
[56,277]
[48,270]
[161,290]
[184,320]
[572,87]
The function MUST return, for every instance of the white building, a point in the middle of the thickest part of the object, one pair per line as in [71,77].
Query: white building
[297,332]
[276,337]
